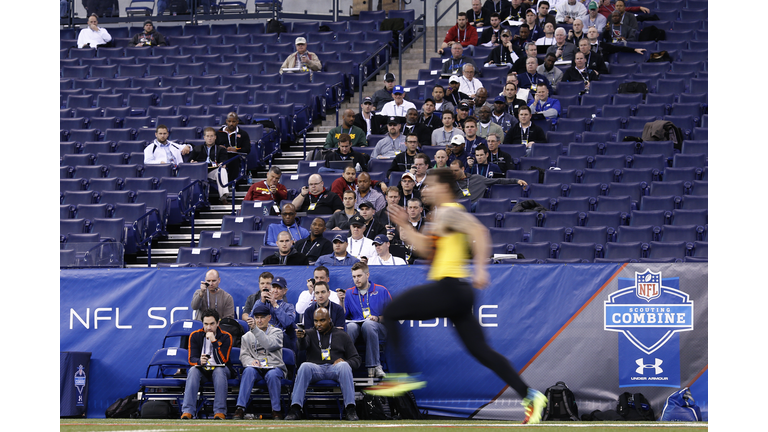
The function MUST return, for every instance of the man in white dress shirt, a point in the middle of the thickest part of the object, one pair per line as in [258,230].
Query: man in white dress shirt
[468,84]
[93,35]
[381,243]
[358,245]
[399,106]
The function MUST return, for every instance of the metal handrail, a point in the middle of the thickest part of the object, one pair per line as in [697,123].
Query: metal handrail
[140,235]
[241,174]
[438,18]
[421,19]
[361,82]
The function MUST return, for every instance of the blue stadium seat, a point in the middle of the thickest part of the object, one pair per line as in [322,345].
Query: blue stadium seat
[659,202]
[694,202]
[573,162]
[560,176]
[597,235]
[689,217]
[697,160]
[649,217]
[621,252]
[547,234]
[666,250]
[195,256]
[600,175]
[586,189]
[540,251]
[584,252]
[558,219]
[525,220]
[237,255]
[630,234]
[612,219]
[678,233]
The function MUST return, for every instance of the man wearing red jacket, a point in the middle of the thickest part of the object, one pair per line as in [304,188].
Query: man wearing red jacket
[460,33]
[269,189]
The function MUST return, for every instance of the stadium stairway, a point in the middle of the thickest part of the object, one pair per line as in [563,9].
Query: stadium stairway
[209,219]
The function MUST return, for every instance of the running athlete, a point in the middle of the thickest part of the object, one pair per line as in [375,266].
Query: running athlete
[449,294]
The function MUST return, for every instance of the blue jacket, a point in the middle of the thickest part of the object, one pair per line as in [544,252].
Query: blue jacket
[330,260]
[283,317]
[296,231]
[336,311]
[377,299]
[551,103]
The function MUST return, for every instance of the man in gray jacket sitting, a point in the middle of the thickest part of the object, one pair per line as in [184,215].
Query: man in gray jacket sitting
[261,353]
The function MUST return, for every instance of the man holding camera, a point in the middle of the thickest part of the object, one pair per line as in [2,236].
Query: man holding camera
[322,300]
[210,296]
[253,300]
[306,298]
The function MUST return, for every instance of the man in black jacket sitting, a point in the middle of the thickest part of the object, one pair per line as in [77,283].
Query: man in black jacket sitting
[286,254]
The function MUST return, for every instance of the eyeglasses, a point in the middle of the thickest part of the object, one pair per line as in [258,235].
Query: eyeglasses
[505,35]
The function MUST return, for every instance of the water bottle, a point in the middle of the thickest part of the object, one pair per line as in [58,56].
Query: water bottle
[358,168]
[250,178]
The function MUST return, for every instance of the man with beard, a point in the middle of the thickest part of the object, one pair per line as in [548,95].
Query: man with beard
[413,127]
[347,126]
[315,244]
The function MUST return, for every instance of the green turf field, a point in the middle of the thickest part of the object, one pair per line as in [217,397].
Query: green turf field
[404,426]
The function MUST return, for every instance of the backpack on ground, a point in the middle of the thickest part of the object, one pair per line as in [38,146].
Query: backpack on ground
[680,406]
[635,407]
[562,404]
[373,408]
[404,407]
[158,409]
[126,407]
[231,326]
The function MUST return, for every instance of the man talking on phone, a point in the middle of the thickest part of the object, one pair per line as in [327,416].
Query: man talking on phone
[210,296]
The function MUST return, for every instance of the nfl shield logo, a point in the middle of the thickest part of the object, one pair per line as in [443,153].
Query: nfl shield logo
[648,285]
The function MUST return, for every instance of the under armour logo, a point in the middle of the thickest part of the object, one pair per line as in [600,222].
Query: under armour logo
[655,366]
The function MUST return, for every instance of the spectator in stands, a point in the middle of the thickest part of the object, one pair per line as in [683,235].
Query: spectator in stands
[543,104]
[335,362]
[213,155]
[506,52]
[399,106]
[511,99]
[502,7]
[606,8]
[210,296]
[382,96]
[523,37]
[415,211]
[569,11]
[302,60]
[605,49]
[269,188]
[517,10]
[491,36]
[461,33]
[474,186]
[442,137]
[93,36]
[209,345]
[283,313]
[408,189]
[419,170]
[549,35]
[577,32]
[358,244]
[322,299]
[486,125]
[531,20]
[384,257]
[364,314]
[579,71]
[438,93]
[340,220]
[452,93]
[382,216]
[149,37]
[340,256]
[429,119]
[480,165]
[468,84]
[347,181]
[306,298]
[253,300]
[345,152]
[471,139]
[392,143]
[316,199]
[544,17]
[441,159]
[163,151]
[315,244]
[477,16]
[364,119]
[499,157]
[365,193]
[347,126]
[553,74]
[457,150]
[455,64]
[627,17]
[594,19]
[525,132]
[235,140]
[520,66]
[413,127]
[261,347]
[532,79]
[500,116]
[286,254]
[462,114]
[616,32]
[561,49]
[404,160]
[372,227]
[289,224]
[480,100]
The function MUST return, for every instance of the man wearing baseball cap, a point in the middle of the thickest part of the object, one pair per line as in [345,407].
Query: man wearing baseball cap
[149,37]
[358,245]
[399,106]
[364,119]
[452,93]
[384,95]
[340,256]
[283,313]
[392,144]
[457,150]
[381,243]
[302,59]
[372,227]
[506,52]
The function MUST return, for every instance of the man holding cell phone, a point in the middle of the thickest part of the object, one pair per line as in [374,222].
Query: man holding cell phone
[210,296]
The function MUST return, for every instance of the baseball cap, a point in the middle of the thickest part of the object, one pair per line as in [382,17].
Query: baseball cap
[148,22]
[500,99]
[429,99]
[380,239]
[280,281]
[356,220]
[340,237]
[260,310]
[366,204]
[592,5]
[463,106]
[367,99]
[408,174]
[389,77]
[398,89]
[456,140]
[530,10]
[392,120]
[453,78]
[300,40]
[506,32]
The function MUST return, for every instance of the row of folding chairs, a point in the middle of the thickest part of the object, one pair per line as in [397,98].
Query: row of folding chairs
[634,252]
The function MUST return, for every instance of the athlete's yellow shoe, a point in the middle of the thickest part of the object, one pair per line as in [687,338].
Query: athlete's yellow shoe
[534,404]
[395,385]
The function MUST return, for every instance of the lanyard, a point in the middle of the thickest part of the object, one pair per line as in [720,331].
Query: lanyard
[469,83]
[449,136]
[527,133]
[362,243]
[330,338]
[426,121]
[458,31]
[215,298]
[454,67]
[487,170]
[305,245]
[367,294]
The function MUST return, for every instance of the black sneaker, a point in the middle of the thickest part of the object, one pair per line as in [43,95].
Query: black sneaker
[352,413]
[294,413]
[239,414]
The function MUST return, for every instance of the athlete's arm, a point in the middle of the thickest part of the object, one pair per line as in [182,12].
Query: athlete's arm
[453,219]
